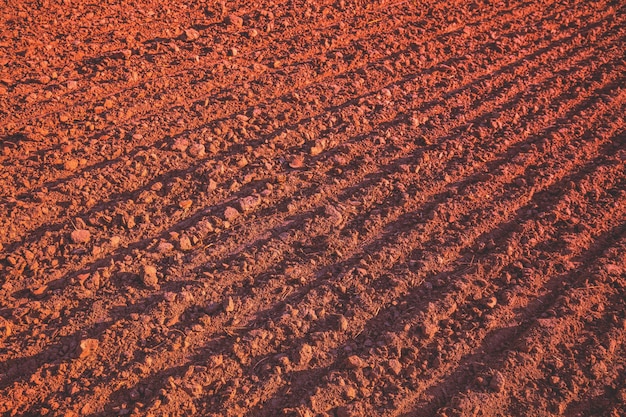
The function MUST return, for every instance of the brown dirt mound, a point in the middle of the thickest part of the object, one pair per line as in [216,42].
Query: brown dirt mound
[331,208]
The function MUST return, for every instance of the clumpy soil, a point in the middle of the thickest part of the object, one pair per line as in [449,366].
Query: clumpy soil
[313,208]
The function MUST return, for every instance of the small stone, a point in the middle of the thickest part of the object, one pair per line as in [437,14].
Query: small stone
[233,52]
[334,214]
[491,302]
[231,213]
[180,144]
[87,348]
[234,20]
[114,241]
[428,329]
[249,203]
[343,324]
[126,54]
[253,33]
[80,236]
[185,204]
[497,382]
[5,328]
[212,186]
[354,362]
[39,292]
[70,165]
[149,277]
[216,360]
[164,247]
[395,366]
[317,149]
[351,392]
[229,305]
[196,150]
[296,162]
[242,162]
[191,35]
[184,243]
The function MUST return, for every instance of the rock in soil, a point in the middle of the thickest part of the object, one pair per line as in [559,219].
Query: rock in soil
[149,276]
[80,236]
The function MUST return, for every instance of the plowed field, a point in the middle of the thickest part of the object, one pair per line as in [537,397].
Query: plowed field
[313,208]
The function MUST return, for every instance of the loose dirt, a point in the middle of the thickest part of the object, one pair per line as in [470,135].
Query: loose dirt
[313,208]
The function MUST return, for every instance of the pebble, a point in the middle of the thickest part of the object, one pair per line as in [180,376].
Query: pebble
[231,213]
[185,204]
[70,165]
[185,243]
[39,292]
[234,20]
[497,382]
[196,150]
[191,35]
[343,324]
[87,348]
[317,149]
[5,328]
[253,33]
[212,186]
[164,247]
[229,305]
[297,162]
[334,214]
[354,362]
[395,366]
[491,302]
[249,203]
[115,241]
[149,276]
[80,236]
[180,144]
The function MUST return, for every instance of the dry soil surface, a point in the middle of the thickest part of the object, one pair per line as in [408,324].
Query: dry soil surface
[313,208]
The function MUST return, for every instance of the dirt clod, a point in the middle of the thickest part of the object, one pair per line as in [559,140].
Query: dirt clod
[303,355]
[355,362]
[229,305]
[149,276]
[196,150]
[231,214]
[234,20]
[80,236]
[249,203]
[87,348]
[395,366]
[71,165]
[191,35]
[497,382]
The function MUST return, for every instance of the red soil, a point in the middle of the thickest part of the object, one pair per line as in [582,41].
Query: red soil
[313,208]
